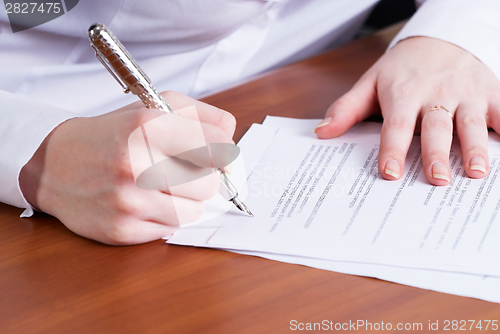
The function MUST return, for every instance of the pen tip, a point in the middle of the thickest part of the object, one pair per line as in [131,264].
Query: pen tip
[241,206]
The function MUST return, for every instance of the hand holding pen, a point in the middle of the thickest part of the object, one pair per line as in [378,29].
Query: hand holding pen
[129,75]
[81,173]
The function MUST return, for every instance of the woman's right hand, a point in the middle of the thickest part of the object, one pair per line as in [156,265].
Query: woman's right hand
[82,173]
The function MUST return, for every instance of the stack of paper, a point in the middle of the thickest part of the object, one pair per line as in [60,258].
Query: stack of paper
[322,203]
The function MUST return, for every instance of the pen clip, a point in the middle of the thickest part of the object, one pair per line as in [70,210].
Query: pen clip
[126,89]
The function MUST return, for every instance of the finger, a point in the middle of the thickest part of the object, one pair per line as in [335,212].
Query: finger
[473,134]
[145,231]
[146,216]
[131,232]
[493,115]
[396,135]
[436,136]
[180,180]
[213,154]
[170,135]
[205,112]
[154,146]
[351,108]
[132,216]
[166,209]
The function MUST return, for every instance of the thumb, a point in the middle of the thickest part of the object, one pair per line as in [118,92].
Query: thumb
[351,108]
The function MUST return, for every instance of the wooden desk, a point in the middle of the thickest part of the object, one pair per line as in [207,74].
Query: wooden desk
[52,281]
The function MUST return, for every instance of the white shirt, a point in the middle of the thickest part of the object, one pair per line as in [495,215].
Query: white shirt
[49,73]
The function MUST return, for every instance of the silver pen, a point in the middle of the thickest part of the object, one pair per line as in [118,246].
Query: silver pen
[115,58]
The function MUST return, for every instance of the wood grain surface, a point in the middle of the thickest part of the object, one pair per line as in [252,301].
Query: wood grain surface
[53,281]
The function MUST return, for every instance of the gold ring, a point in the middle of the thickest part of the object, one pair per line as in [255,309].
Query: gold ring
[441,107]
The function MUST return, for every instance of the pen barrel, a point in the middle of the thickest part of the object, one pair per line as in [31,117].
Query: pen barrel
[123,67]
[227,190]
[120,64]
[151,99]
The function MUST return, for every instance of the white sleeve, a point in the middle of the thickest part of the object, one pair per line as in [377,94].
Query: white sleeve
[473,25]
[24,124]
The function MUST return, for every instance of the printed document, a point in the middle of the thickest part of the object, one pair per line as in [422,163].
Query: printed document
[253,145]
[324,199]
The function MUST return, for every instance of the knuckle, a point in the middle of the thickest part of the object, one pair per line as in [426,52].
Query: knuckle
[439,90]
[405,89]
[123,204]
[120,232]
[121,168]
[118,168]
[343,103]
[399,123]
[471,120]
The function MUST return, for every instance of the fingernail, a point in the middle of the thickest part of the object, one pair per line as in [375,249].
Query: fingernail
[228,169]
[392,168]
[440,171]
[323,123]
[477,163]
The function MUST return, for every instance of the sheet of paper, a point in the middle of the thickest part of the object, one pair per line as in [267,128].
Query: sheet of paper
[254,144]
[324,199]
[467,285]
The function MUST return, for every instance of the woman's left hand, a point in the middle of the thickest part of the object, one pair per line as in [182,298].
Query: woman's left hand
[405,85]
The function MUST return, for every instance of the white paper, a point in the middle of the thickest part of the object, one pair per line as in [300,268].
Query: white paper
[198,232]
[254,144]
[325,199]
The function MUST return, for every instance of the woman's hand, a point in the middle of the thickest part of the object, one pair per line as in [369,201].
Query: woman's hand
[82,173]
[405,84]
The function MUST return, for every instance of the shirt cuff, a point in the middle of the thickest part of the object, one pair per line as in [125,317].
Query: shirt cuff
[24,124]
[471,25]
